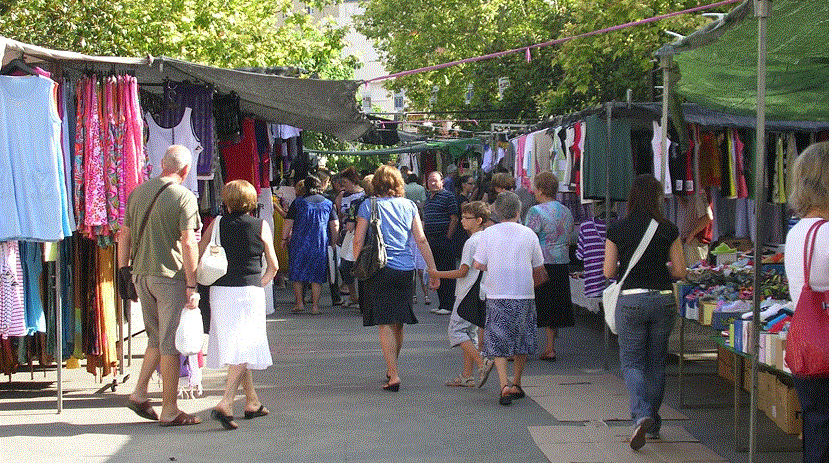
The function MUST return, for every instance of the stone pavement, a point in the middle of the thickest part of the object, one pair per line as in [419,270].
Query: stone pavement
[327,406]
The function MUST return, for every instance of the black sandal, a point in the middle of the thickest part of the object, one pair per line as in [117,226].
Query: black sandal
[227,421]
[258,413]
[505,400]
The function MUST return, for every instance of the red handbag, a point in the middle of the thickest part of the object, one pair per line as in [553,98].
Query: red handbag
[807,344]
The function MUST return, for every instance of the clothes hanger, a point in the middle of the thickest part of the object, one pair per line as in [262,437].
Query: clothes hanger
[17,64]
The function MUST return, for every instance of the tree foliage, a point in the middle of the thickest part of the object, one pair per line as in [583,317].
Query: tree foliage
[411,34]
[224,33]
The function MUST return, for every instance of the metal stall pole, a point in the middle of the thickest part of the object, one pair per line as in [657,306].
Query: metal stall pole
[58,327]
[761,10]
[607,219]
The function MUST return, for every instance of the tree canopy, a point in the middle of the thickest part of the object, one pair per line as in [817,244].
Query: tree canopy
[411,34]
[223,33]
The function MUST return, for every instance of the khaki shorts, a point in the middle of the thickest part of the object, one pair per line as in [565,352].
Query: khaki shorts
[162,300]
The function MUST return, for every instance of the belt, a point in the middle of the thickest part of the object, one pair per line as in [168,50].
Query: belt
[636,291]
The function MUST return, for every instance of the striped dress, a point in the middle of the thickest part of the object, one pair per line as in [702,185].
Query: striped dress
[590,249]
[12,308]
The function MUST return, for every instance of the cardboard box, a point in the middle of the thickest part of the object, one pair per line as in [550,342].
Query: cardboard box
[725,364]
[725,371]
[785,411]
[779,351]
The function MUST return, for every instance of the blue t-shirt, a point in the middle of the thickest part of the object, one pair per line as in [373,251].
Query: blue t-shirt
[396,216]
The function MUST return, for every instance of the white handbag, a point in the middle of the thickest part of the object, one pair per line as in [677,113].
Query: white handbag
[190,332]
[213,263]
[610,295]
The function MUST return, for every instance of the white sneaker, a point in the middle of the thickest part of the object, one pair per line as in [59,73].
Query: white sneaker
[442,311]
[433,310]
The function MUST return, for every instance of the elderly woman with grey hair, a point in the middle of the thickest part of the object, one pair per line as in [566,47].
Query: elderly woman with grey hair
[511,255]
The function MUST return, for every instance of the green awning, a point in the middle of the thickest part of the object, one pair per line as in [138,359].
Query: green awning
[718,63]
[457,148]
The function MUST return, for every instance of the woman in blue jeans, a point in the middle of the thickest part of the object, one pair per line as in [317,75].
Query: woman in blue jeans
[646,311]
[809,198]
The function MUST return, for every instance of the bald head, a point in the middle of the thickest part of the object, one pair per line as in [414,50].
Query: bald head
[176,159]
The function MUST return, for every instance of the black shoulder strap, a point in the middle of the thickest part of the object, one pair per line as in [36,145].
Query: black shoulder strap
[147,216]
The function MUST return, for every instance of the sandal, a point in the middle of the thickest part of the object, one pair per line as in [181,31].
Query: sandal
[520,393]
[182,419]
[505,400]
[143,409]
[227,421]
[461,381]
[258,413]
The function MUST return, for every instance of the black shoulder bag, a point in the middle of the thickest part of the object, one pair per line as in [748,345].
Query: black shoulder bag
[372,256]
[126,287]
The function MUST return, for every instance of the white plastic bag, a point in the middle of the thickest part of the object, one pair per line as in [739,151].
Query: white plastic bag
[190,332]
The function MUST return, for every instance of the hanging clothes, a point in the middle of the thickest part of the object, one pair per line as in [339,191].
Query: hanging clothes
[199,99]
[31,259]
[658,158]
[12,298]
[709,159]
[590,249]
[241,159]
[601,154]
[31,163]
[160,138]
[778,194]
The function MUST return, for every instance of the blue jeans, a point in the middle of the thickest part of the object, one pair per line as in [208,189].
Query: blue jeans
[644,322]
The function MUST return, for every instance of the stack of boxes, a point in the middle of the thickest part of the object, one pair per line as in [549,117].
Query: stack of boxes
[777,398]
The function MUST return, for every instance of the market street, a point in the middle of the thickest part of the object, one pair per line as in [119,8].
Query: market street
[327,406]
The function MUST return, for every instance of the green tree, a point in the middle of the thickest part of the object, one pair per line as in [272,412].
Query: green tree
[411,34]
[601,68]
[224,33]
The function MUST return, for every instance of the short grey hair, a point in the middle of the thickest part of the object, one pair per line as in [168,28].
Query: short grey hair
[508,205]
[176,158]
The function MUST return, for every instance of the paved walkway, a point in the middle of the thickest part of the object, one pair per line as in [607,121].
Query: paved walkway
[327,406]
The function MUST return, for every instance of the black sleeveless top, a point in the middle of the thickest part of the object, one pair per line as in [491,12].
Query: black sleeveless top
[241,236]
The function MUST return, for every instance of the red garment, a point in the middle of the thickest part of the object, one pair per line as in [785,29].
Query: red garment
[241,159]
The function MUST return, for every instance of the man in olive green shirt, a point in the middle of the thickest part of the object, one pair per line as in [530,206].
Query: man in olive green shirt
[164,272]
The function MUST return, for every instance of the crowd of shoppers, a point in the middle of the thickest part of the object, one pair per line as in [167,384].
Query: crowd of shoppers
[500,282]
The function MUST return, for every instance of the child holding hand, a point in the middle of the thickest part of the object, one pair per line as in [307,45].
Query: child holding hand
[463,333]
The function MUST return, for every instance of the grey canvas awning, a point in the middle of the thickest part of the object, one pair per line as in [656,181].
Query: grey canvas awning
[310,104]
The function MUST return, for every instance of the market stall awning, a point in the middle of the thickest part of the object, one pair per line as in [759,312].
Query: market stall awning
[456,148]
[718,63]
[310,104]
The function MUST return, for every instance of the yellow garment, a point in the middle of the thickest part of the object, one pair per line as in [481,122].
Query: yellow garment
[281,253]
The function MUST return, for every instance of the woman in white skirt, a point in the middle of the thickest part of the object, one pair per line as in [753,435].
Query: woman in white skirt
[237,300]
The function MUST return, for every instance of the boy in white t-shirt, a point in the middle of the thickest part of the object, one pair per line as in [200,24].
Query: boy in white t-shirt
[464,333]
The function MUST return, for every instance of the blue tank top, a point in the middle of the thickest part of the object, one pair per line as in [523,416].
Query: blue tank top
[31,164]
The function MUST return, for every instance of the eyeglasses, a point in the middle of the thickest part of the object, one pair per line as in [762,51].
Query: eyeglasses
[467,217]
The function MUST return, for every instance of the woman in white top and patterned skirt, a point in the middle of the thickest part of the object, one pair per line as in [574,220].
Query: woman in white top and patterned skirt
[510,253]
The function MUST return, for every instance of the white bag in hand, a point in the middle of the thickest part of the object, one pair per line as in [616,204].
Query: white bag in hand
[190,332]
[213,263]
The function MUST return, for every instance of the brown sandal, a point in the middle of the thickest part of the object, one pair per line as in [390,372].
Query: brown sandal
[182,419]
[143,409]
